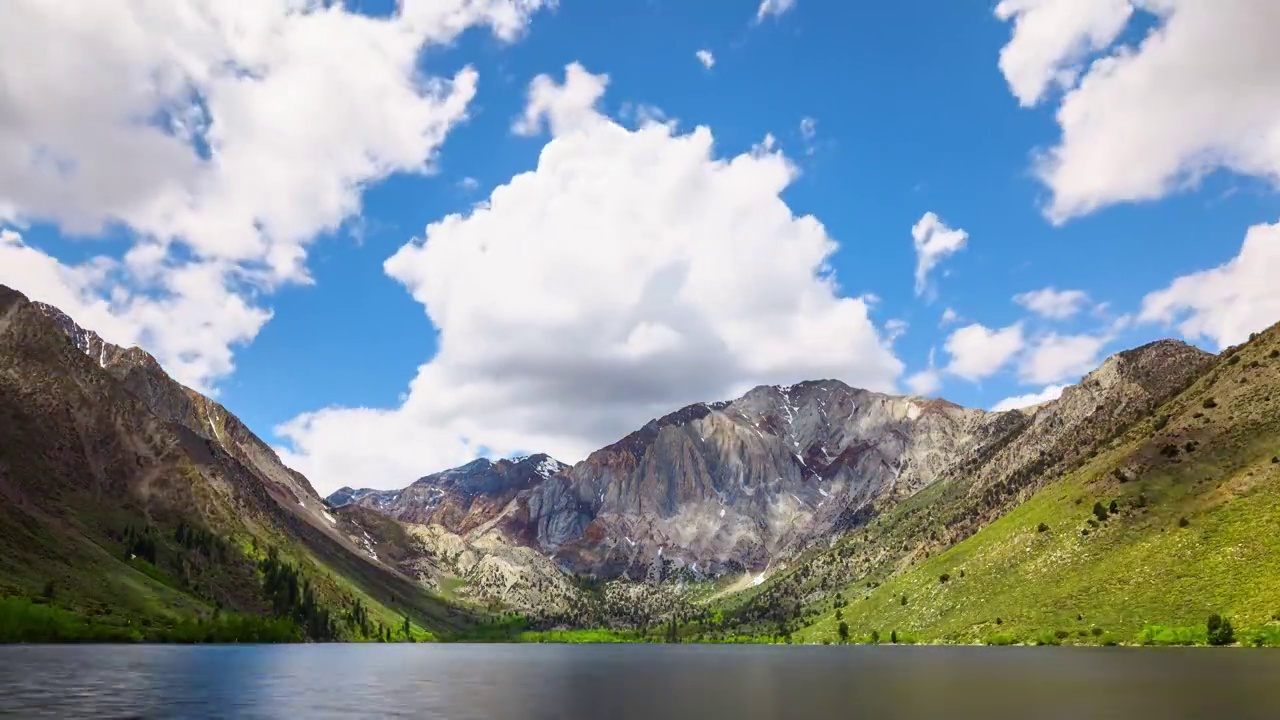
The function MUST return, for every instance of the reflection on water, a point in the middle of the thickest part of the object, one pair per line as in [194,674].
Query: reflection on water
[546,682]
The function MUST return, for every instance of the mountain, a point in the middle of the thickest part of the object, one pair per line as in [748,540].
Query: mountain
[134,507]
[754,487]
[734,486]
[1140,500]
[1170,521]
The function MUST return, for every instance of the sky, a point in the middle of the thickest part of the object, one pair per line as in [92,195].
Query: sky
[395,236]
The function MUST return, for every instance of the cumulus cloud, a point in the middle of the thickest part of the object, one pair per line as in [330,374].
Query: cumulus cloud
[631,272]
[705,57]
[1227,303]
[1054,358]
[136,301]
[1200,92]
[948,317]
[1052,303]
[1052,392]
[774,8]
[979,352]
[239,131]
[1052,37]
[927,381]
[933,242]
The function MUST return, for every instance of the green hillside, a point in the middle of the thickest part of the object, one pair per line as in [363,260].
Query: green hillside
[117,523]
[1174,522]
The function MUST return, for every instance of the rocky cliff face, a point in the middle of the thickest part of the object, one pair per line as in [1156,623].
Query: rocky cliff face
[740,485]
[143,377]
[461,499]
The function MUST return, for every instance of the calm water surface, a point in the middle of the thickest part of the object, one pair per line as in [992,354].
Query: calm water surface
[537,682]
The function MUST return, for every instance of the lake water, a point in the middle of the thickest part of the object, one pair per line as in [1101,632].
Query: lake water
[563,682]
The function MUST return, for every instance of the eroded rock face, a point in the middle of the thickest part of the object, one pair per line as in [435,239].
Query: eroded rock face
[727,486]
[713,487]
[170,400]
[738,486]
[461,499]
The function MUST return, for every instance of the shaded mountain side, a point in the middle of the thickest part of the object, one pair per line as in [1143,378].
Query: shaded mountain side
[115,509]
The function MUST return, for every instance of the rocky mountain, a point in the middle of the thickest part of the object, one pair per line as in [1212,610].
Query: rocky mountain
[146,506]
[1137,539]
[748,485]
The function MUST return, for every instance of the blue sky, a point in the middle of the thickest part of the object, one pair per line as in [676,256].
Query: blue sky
[912,111]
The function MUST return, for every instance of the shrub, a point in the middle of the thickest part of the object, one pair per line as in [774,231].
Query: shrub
[875,637]
[1114,507]
[1209,403]
[1099,511]
[1220,631]
[1097,632]
[1233,360]
[944,577]
[1042,528]
[1163,635]
[904,599]
[1061,634]
[893,636]
[1274,354]
[1000,639]
[1183,521]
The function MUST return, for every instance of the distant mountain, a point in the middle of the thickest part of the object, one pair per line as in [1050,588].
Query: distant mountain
[147,509]
[740,485]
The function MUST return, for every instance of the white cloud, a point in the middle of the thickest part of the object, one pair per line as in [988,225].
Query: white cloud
[241,130]
[707,59]
[1052,392]
[773,7]
[927,381]
[562,108]
[469,184]
[135,302]
[948,317]
[1052,303]
[893,328]
[978,352]
[1227,303]
[1052,37]
[808,131]
[933,241]
[1054,358]
[924,382]
[631,272]
[1199,93]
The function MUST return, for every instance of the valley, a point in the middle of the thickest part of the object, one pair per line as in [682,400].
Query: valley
[1126,511]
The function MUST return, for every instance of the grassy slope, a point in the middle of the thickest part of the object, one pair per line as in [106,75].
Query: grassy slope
[1140,567]
[83,464]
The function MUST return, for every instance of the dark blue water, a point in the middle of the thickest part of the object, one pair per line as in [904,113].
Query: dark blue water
[536,682]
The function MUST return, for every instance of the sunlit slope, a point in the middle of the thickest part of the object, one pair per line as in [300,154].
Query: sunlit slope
[1196,496]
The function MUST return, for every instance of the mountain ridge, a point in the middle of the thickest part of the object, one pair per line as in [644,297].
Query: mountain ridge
[827,451]
[120,486]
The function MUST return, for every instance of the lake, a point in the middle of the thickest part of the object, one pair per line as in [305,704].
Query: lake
[569,682]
